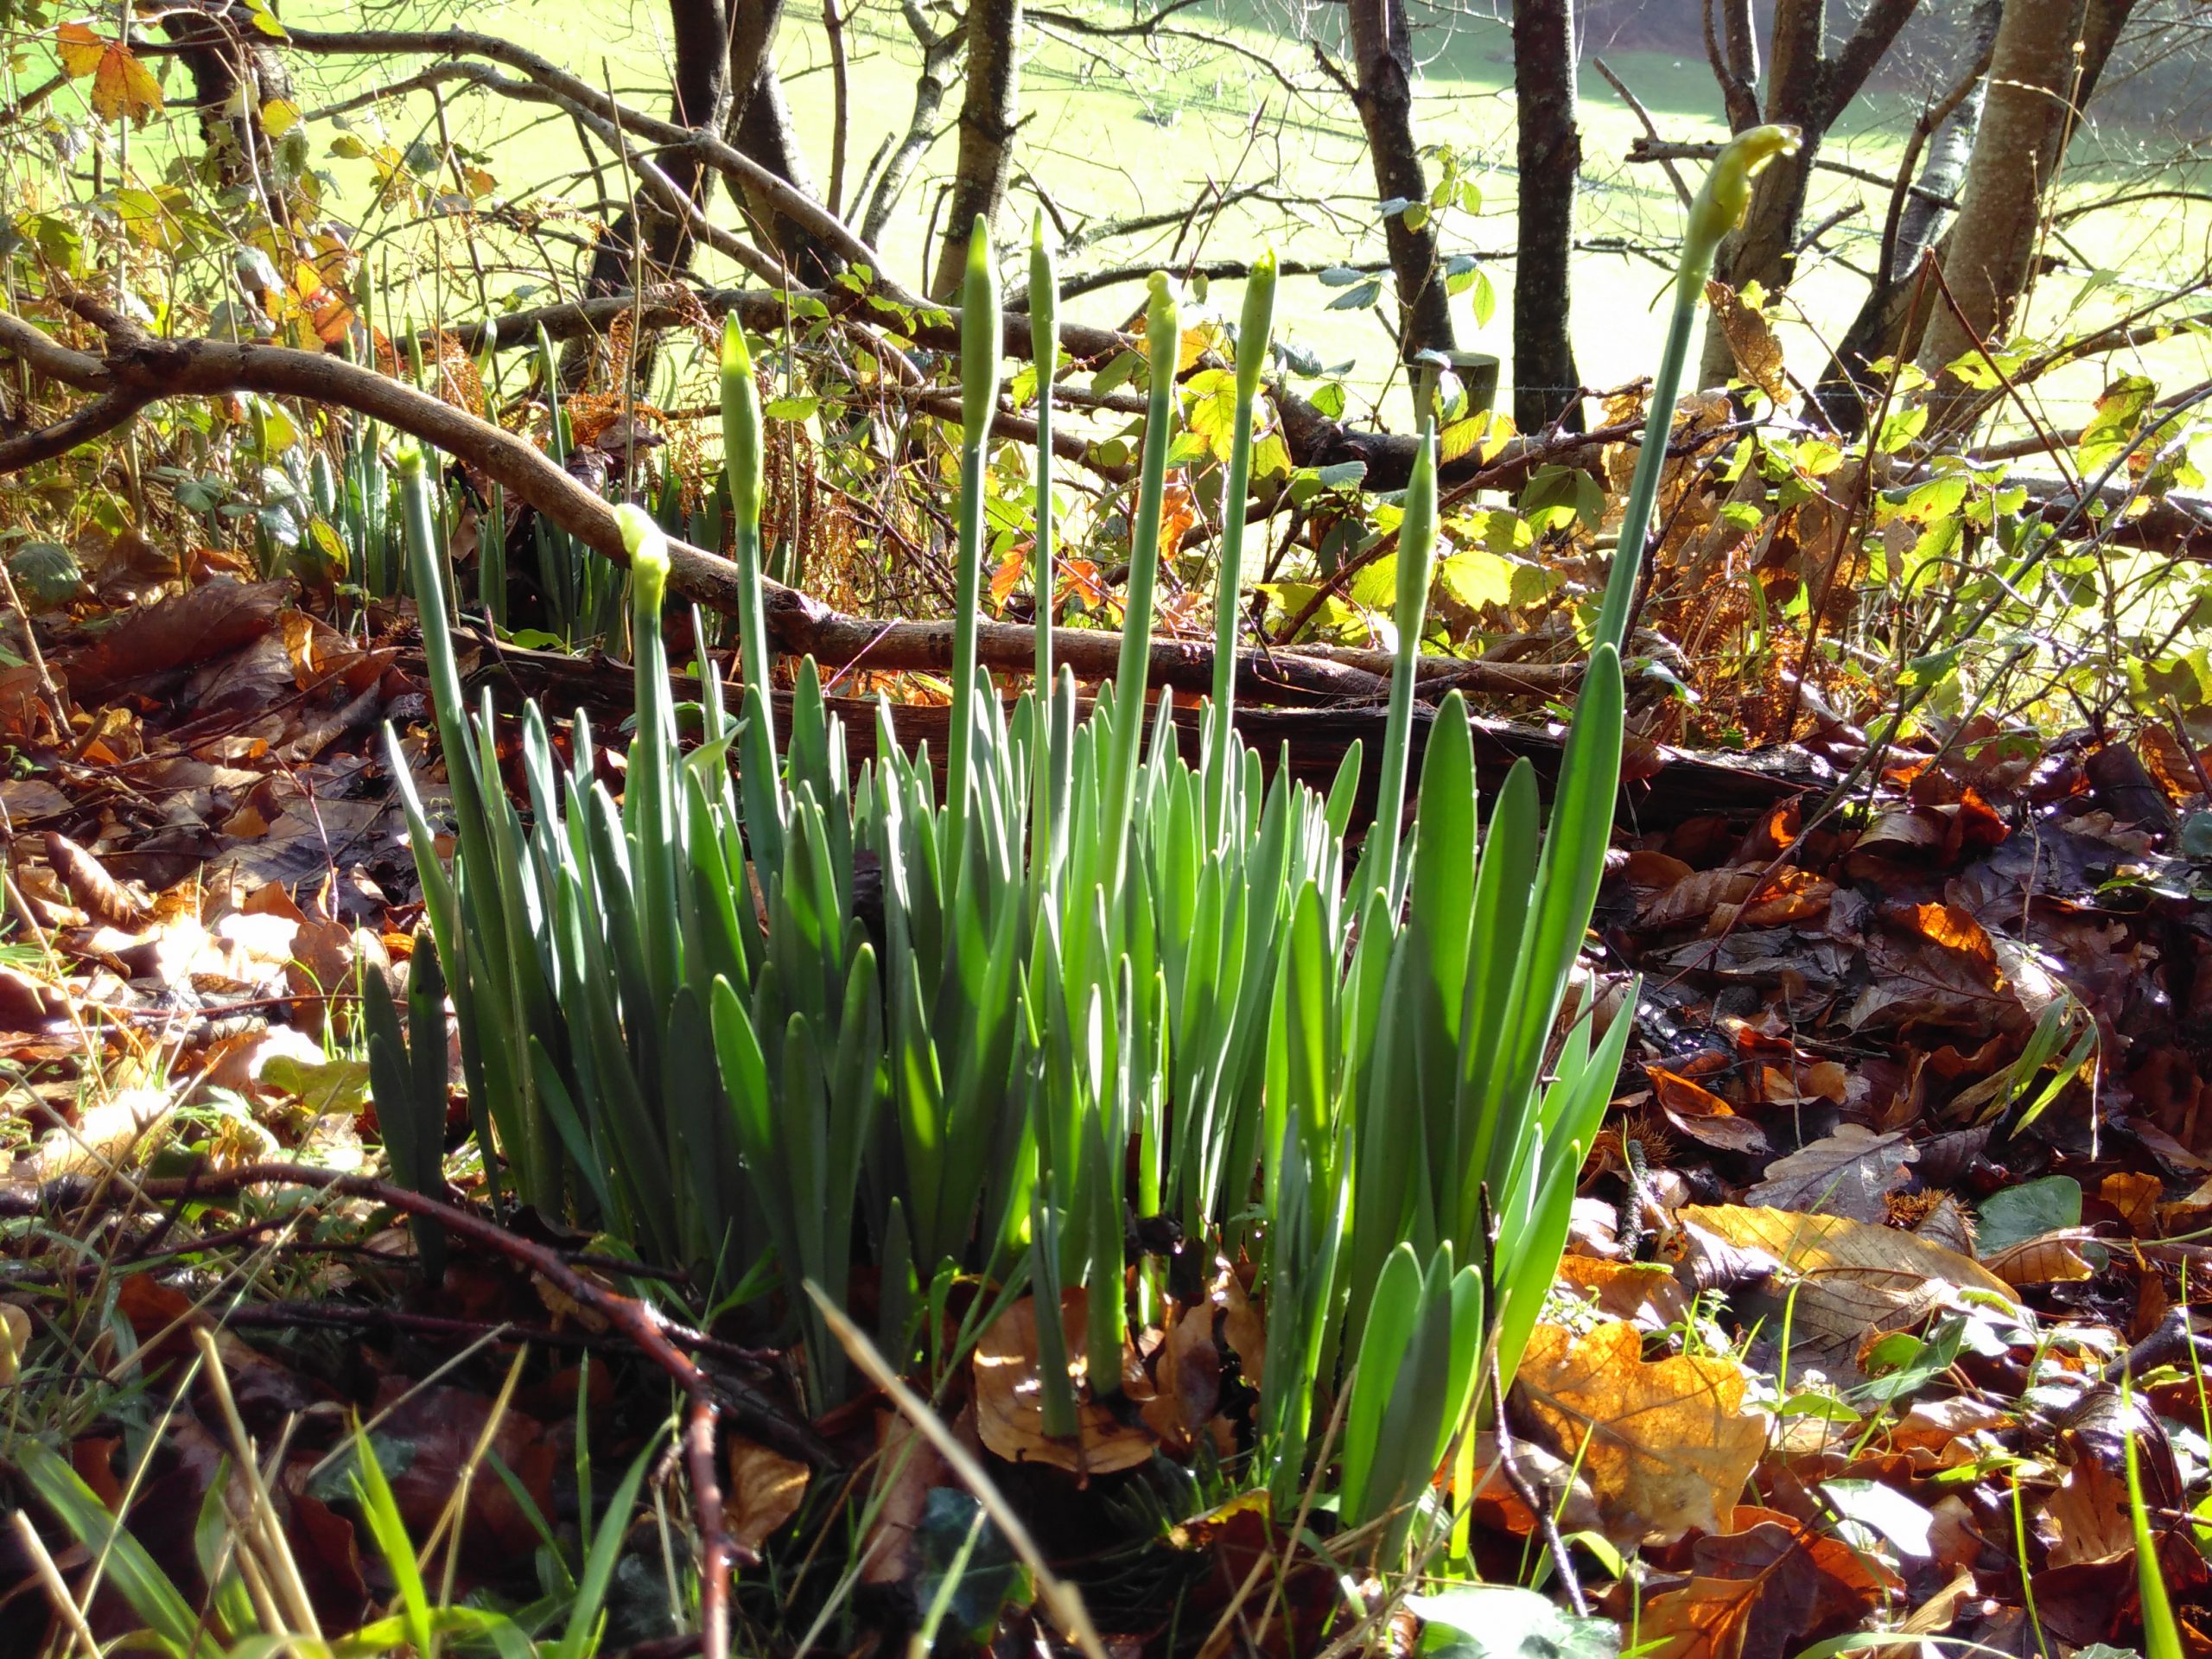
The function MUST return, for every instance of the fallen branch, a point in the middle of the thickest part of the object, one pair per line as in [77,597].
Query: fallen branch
[138,365]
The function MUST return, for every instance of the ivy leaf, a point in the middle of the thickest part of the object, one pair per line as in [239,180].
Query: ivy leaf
[47,573]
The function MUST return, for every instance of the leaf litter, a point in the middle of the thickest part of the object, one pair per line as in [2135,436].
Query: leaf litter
[1905,1176]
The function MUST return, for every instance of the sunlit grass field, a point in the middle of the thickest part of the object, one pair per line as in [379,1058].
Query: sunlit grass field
[1117,129]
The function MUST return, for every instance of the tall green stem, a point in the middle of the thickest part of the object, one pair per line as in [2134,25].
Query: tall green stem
[649,797]
[1163,335]
[1251,362]
[1045,353]
[979,397]
[743,449]
[1379,862]
[1718,210]
[742,453]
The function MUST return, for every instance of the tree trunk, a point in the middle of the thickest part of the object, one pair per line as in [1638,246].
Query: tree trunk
[698,98]
[765,133]
[1990,252]
[1550,156]
[987,122]
[1763,248]
[752,44]
[1383,55]
[1808,90]
[1846,388]
[940,51]
[225,58]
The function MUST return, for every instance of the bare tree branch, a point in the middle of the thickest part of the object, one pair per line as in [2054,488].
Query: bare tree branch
[103,414]
[606,114]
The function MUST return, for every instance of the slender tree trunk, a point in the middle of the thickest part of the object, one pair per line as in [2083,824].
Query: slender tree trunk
[1741,37]
[1383,54]
[752,44]
[986,123]
[1807,89]
[1990,254]
[232,76]
[1846,388]
[698,98]
[765,133]
[1763,248]
[940,52]
[1550,156]
[759,126]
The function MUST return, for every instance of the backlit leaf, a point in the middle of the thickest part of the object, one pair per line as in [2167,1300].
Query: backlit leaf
[123,87]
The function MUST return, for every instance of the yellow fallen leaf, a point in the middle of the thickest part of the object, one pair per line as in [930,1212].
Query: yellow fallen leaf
[765,1488]
[2052,1258]
[1840,1282]
[1664,1444]
[15,1338]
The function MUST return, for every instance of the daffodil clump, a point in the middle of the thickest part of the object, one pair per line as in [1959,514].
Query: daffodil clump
[1104,983]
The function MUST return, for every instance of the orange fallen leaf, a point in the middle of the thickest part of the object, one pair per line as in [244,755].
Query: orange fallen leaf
[1009,574]
[1665,1445]
[1010,1397]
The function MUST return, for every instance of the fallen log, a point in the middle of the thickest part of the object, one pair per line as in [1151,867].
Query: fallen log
[1669,785]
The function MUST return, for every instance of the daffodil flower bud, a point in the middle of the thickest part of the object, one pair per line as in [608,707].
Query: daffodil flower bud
[647,546]
[1727,195]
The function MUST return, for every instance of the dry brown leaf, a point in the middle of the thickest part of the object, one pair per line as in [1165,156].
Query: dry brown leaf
[1757,1593]
[1851,1172]
[1696,897]
[1241,1326]
[2136,1197]
[1703,1115]
[1645,1293]
[2052,1258]
[207,622]
[1804,1082]
[1010,1398]
[1751,339]
[107,1133]
[765,1488]
[100,895]
[1935,965]
[1948,1225]
[28,1004]
[1188,1377]
[2089,1513]
[1850,1279]
[907,1466]
[1665,1445]
[1788,896]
